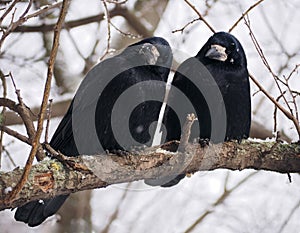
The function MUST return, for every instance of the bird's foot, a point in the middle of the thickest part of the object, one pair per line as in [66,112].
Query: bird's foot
[234,139]
[118,152]
[204,142]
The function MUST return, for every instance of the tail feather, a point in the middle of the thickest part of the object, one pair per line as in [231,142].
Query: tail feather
[35,212]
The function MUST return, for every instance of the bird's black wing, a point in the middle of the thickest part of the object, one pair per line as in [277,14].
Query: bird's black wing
[137,108]
[234,86]
[232,78]
[34,213]
[194,90]
[186,97]
[86,127]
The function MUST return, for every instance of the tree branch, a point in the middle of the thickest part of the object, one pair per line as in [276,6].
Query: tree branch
[11,118]
[200,16]
[24,113]
[117,11]
[50,177]
[244,14]
[24,17]
[42,113]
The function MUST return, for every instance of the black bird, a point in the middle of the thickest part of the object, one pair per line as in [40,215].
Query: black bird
[87,127]
[216,82]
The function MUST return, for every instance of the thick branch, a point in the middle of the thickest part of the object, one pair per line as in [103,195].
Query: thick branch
[49,177]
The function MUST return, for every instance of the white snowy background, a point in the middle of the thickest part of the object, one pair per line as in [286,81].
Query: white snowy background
[266,202]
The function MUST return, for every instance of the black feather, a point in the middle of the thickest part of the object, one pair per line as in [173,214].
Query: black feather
[93,105]
[222,103]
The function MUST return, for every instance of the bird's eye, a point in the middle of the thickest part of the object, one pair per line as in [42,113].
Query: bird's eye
[231,46]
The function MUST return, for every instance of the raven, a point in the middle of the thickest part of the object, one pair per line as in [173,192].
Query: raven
[216,82]
[88,126]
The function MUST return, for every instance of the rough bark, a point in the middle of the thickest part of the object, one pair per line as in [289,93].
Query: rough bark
[51,177]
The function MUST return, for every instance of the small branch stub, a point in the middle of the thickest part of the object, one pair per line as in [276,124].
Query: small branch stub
[186,132]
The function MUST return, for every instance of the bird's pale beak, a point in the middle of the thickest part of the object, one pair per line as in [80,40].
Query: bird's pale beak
[217,52]
[150,53]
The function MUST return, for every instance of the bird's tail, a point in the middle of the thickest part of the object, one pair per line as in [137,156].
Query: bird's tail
[36,212]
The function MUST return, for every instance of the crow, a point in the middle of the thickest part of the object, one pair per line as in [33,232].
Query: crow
[216,83]
[88,126]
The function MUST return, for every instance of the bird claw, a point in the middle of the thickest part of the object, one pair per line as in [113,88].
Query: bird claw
[204,142]
[119,152]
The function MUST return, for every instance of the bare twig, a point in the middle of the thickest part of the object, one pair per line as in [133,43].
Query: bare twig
[289,114]
[49,110]
[11,7]
[186,25]
[35,142]
[186,132]
[65,160]
[244,14]
[27,9]
[278,105]
[15,134]
[208,8]
[127,34]
[75,44]
[2,118]
[275,115]
[293,98]
[293,71]
[107,17]
[200,16]
[9,157]
[209,4]
[58,109]
[23,19]
[292,93]
[88,60]
[23,111]
[265,61]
